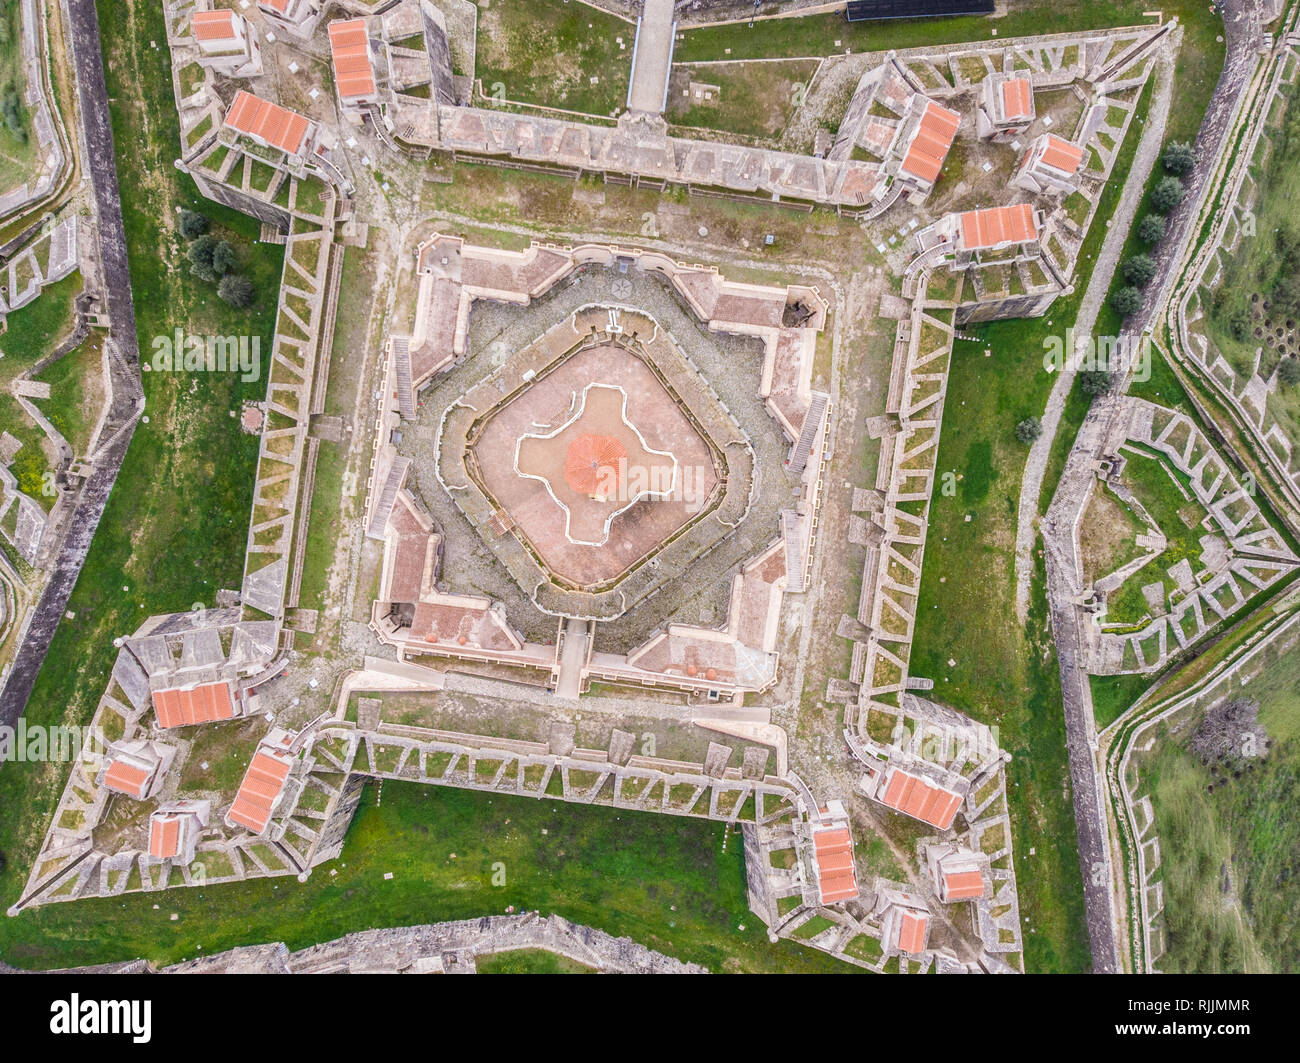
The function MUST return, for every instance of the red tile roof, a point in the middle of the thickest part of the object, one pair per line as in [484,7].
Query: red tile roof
[912,928]
[1061,154]
[998,225]
[931,143]
[920,799]
[1017,99]
[275,5]
[205,703]
[262,785]
[963,885]
[267,122]
[164,835]
[834,853]
[127,779]
[351,47]
[216,25]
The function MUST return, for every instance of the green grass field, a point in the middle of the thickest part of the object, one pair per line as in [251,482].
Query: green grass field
[1176,516]
[18,148]
[175,526]
[546,52]
[30,334]
[820,35]
[1261,270]
[445,849]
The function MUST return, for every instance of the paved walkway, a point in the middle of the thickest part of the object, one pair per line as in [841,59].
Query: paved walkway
[572,659]
[654,53]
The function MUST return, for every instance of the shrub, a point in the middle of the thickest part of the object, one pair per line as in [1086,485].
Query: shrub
[193,224]
[223,259]
[1178,157]
[1139,270]
[1126,301]
[1167,194]
[1029,429]
[200,254]
[1289,372]
[1095,381]
[1151,229]
[237,290]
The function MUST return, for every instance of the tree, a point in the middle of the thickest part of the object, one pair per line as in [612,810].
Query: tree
[193,224]
[1139,270]
[224,259]
[237,290]
[1029,429]
[1289,372]
[1151,229]
[1126,301]
[1178,157]
[1094,381]
[1229,733]
[201,255]
[1167,194]
[11,108]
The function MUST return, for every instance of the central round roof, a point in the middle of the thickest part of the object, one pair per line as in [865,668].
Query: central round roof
[591,464]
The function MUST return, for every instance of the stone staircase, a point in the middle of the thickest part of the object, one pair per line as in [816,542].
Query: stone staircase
[402,365]
[812,423]
[387,499]
[792,534]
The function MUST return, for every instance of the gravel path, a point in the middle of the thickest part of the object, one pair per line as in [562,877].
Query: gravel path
[1031,484]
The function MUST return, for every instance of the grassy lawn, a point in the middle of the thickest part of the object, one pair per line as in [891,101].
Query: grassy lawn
[17,141]
[530,961]
[1177,517]
[755,99]
[77,392]
[1228,844]
[546,52]
[444,847]
[817,35]
[1112,694]
[1261,273]
[176,522]
[30,334]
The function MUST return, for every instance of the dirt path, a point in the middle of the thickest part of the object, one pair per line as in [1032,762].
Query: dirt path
[1031,484]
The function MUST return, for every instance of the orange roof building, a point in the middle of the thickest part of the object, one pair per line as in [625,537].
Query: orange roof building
[833,859]
[270,124]
[299,17]
[905,929]
[958,874]
[918,797]
[354,73]
[996,228]
[174,830]
[1006,106]
[216,28]
[227,42]
[1051,164]
[263,784]
[136,769]
[925,138]
[186,706]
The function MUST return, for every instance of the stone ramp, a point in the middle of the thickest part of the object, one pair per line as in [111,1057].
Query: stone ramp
[652,57]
